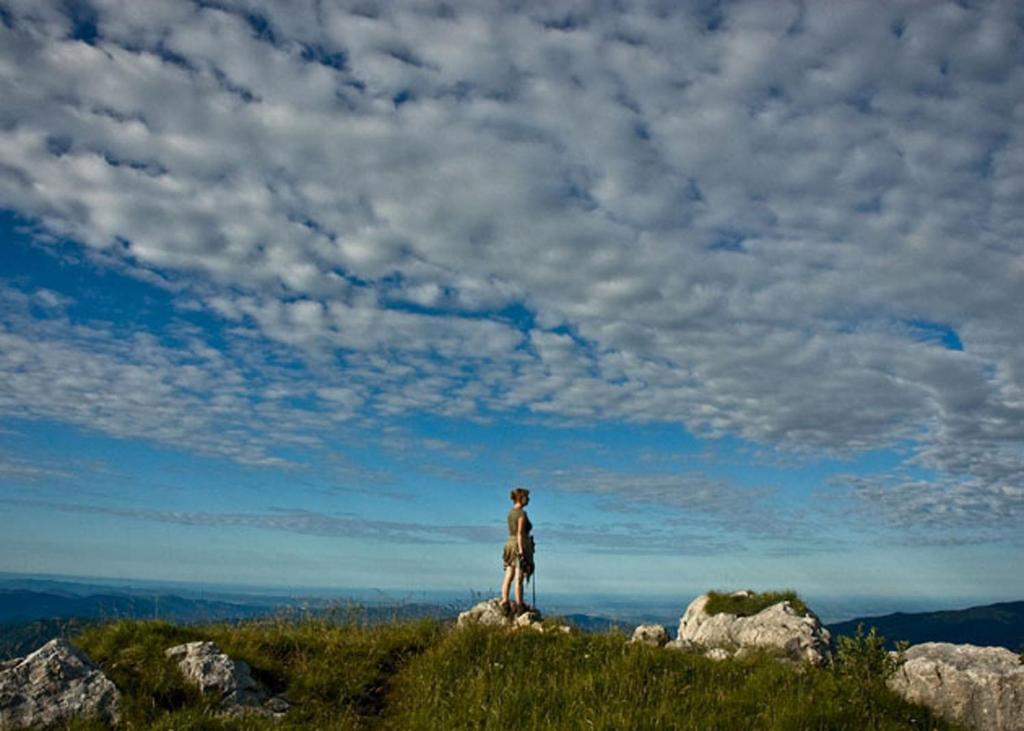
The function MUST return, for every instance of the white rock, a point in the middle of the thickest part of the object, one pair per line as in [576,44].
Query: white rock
[718,653]
[53,685]
[779,626]
[528,620]
[981,687]
[650,634]
[489,613]
[205,666]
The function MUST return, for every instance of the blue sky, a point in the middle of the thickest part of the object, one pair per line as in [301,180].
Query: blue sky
[293,293]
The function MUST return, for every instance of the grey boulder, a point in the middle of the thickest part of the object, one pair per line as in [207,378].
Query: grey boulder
[490,613]
[980,687]
[205,666]
[800,637]
[653,635]
[54,685]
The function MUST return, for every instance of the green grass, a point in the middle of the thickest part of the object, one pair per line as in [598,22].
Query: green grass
[424,675]
[748,606]
[487,679]
[335,673]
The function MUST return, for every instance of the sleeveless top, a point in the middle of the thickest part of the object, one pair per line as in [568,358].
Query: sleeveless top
[513,523]
[510,551]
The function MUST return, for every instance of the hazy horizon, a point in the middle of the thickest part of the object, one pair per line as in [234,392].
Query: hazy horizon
[666,608]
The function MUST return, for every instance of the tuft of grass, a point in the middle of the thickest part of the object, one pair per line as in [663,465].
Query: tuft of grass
[131,653]
[748,606]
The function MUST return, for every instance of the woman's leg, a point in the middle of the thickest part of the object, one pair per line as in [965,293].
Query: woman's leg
[507,583]
[519,586]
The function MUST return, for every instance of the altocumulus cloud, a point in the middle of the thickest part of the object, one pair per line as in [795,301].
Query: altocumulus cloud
[796,223]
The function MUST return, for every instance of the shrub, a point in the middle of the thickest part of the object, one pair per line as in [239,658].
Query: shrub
[863,657]
[747,606]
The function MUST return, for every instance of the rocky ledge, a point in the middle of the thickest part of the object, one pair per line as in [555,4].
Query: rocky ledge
[490,613]
[801,637]
[52,686]
[980,687]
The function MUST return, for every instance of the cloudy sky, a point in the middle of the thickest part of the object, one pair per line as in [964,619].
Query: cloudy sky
[292,293]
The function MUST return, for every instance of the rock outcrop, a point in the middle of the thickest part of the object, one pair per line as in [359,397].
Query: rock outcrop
[205,666]
[980,687]
[650,634]
[801,637]
[490,613]
[54,685]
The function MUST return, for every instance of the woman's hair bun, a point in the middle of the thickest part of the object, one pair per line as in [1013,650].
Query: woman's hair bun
[517,493]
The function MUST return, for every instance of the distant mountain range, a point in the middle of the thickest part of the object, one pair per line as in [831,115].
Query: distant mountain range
[17,640]
[993,625]
[20,605]
[29,617]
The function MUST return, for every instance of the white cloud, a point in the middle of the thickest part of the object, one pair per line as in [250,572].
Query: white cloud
[24,471]
[738,214]
[937,511]
[134,386]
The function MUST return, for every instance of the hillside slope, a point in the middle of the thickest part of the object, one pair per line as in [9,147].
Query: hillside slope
[1000,625]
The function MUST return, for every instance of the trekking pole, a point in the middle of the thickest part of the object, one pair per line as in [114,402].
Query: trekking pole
[533,580]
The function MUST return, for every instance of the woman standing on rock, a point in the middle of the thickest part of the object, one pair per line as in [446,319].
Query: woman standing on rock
[517,555]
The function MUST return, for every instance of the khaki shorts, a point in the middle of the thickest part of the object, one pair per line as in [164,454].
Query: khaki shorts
[510,554]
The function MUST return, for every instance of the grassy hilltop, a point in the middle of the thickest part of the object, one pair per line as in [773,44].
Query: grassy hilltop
[344,674]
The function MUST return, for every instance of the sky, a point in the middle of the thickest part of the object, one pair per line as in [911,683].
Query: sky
[293,293]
